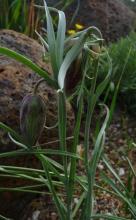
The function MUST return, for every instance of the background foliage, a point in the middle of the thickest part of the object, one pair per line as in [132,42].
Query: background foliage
[123,56]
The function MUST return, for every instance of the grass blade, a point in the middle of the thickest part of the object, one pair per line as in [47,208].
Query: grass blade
[131,167]
[4,218]
[27,62]
[58,205]
[69,58]
[74,150]
[51,40]
[122,194]
[60,38]
[93,164]
[10,130]
[108,165]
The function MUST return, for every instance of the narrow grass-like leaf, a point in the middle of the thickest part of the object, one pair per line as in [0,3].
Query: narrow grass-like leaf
[35,177]
[41,151]
[108,165]
[60,210]
[53,162]
[19,189]
[80,201]
[24,176]
[52,168]
[104,83]
[16,142]
[60,38]
[44,43]
[131,167]
[21,169]
[51,40]
[27,62]
[17,7]
[123,195]
[4,218]
[69,58]
[10,130]
[91,102]
[98,146]
[62,120]
[94,162]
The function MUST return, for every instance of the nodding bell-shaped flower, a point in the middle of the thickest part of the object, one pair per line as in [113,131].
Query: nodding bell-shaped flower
[32,118]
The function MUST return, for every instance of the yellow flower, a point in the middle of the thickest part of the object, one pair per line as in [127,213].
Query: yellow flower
[71,32]
[79,26]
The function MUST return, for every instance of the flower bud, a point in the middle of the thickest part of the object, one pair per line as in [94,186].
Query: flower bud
[96,48]
[32,118]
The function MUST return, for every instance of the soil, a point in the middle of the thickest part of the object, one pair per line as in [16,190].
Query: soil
[119,138]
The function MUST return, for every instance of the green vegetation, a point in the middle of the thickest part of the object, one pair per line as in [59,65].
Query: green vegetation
[62,52]
[84,50]
[20,16]
[24,16]
[124,192]
[123,56]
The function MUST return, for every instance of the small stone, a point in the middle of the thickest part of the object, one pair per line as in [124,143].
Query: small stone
[100,166]
[120,141]
[53,216]
[36,214]
[130,130]
[121,172]
[76,200]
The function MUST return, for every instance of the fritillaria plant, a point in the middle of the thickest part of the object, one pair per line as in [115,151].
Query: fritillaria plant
[79,53]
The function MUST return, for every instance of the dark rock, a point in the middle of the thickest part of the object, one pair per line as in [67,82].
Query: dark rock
[112,17]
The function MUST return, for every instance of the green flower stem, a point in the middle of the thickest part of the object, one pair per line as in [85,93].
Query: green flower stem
[89,197]
[92,99]
[51,187]
[62,119]
[73,160]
